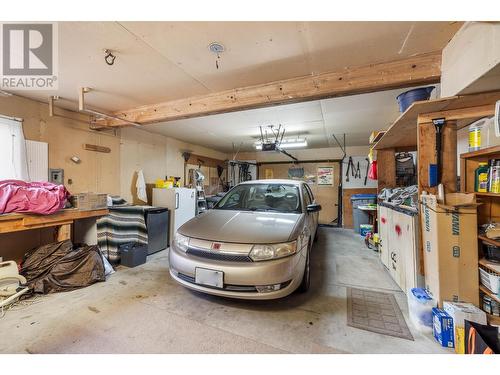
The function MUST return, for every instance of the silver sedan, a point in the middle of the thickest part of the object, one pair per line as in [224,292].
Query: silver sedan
[254,244]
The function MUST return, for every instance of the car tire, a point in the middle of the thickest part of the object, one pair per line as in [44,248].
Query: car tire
[306,279]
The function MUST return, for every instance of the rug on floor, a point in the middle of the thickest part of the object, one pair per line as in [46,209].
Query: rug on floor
[376,312]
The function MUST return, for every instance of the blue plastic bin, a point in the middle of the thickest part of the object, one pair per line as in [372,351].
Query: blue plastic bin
[358,216]
[406,98]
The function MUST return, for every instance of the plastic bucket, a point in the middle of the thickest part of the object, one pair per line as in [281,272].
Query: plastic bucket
[420,305]
[406,98]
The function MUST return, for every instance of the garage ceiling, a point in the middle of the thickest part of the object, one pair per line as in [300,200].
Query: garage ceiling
[356,116]
[158,61]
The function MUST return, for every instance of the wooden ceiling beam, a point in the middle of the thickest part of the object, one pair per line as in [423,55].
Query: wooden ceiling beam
[413,71]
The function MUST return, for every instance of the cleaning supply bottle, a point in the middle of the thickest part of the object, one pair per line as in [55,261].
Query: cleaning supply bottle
[495,177]
[475,130]
[490,170]
[481,178]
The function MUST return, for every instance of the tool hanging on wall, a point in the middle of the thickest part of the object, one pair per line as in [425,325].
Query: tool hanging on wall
[435,171]
[358,172]
[350,169]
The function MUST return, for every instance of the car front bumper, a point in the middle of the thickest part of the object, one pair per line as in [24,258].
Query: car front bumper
[240,278]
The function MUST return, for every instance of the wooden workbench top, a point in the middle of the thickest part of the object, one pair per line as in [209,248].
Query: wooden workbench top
[15,222]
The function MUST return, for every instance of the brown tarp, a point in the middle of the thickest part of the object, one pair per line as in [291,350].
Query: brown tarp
[60,267]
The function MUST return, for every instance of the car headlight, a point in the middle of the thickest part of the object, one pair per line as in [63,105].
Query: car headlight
[181,242]
[273,251]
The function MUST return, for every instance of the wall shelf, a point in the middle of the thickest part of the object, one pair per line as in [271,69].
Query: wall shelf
[495,267]
[463,109]
[495,195]
[481,153]
[486,291]
[493,320]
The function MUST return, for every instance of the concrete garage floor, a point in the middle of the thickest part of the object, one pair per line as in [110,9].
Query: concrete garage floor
[142,310]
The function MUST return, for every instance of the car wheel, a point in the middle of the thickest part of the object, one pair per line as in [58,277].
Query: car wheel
[306,279]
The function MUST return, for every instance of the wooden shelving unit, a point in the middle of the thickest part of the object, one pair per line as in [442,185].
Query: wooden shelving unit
[488,211]
[495,195]
[486,291]
[414,130]
[493,320]
[495,267]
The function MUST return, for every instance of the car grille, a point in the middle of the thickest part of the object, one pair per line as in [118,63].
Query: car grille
[218,256]
[229,287]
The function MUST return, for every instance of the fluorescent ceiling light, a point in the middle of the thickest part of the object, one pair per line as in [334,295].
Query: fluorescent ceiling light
[294,144]
[289,143]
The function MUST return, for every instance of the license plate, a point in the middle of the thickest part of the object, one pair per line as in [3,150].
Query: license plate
[208,277]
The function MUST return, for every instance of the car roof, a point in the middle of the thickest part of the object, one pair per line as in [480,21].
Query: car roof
[274,181]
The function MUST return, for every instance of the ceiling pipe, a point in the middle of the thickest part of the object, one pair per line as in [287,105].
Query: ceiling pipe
[81,108]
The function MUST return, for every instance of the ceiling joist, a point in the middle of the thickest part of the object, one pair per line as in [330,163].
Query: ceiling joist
[417,70]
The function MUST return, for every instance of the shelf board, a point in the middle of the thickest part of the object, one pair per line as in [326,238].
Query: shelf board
[486,291]
[494,195]
[481,153]
[495,267]
[493,320]
[403,132]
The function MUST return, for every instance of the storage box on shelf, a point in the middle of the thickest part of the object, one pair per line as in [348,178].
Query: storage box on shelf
[488,211]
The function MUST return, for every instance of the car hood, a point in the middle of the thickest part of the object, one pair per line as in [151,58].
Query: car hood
[243,226]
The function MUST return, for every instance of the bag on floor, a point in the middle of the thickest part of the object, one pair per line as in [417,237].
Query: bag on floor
[481,339]
[60,267]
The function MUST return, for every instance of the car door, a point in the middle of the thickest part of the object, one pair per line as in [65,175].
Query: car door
[311,218]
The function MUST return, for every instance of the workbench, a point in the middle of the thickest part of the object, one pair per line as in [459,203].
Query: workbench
[61,221]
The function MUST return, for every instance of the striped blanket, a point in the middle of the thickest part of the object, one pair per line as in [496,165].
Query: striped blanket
[122,225]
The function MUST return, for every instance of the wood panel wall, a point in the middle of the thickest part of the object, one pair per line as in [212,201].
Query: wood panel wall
[386,168]
[427,155]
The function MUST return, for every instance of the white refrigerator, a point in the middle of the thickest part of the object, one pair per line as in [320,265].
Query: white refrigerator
[181,202]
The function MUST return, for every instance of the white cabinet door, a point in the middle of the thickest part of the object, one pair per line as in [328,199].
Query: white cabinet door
[396,248]
[383,224]
[411,260]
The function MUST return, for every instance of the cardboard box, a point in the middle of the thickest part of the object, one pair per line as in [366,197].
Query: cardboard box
[449,240]
[460,312]
[443,328]
[89,201]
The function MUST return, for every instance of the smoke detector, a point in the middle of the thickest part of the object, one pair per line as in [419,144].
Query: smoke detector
[216,48]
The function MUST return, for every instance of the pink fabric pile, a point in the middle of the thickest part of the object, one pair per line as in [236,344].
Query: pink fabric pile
[31,197]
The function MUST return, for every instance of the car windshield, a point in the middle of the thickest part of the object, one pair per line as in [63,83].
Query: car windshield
[262,197]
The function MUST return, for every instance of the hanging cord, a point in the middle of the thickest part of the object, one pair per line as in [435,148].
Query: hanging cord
[22,303]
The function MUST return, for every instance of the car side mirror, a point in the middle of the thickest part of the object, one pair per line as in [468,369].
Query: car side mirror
[314,207]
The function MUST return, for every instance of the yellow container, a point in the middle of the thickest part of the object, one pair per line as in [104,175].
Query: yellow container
[164,184]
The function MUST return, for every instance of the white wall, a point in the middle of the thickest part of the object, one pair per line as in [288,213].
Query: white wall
[158,156]
[471,60]
[357,183]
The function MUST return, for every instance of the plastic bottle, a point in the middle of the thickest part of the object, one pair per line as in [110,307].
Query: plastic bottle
[495,177]
[475,136]
[481,178]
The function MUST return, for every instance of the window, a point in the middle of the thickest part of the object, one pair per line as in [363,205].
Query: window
[13,164]
[261,197]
